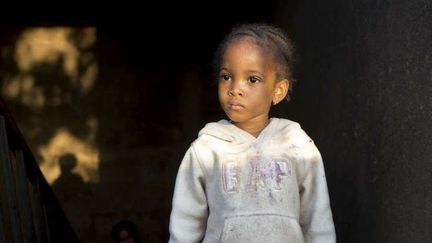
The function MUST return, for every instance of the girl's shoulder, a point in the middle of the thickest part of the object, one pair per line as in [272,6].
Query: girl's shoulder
[290,131]
[285,123]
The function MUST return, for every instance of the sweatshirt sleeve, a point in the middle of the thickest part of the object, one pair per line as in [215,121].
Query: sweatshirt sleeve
[189,206]
[316,217]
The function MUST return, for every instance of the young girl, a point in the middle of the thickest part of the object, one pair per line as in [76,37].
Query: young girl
[252,178]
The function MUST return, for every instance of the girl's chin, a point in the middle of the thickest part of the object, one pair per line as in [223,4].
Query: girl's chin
[235,119]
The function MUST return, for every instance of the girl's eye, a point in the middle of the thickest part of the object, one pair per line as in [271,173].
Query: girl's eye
[224,77]
[253,80]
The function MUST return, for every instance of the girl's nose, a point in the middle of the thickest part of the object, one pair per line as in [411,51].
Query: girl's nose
[235,89]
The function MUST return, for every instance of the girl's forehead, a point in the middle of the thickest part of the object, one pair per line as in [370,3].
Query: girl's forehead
[245,40]
[247,54]
[247,47]
[246,43]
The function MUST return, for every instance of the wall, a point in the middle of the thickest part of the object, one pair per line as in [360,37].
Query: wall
[363,94]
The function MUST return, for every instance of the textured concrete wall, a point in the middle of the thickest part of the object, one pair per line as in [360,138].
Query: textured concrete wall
[364,93]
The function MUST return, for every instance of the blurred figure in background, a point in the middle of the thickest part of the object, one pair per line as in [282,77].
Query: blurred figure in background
[125,231]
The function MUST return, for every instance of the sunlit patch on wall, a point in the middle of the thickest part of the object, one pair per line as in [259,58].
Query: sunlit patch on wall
[64,143]
[58,47]
[23,87]
[47,74]
[48,45]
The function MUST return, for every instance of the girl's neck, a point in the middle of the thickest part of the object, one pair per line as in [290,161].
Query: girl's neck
[253,128]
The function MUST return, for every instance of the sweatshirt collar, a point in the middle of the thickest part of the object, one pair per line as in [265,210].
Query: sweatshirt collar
[227,131]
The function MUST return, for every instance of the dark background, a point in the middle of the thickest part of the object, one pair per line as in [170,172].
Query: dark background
[363,94]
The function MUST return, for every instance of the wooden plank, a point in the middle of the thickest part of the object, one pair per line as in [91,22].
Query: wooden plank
[24,202]
[5,226]
[8,188]
[47,223]
[38,214]
[31,188]
[2,220]
[18,201]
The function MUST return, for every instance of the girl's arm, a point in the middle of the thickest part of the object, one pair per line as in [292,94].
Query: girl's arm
[189,207]
[315,216]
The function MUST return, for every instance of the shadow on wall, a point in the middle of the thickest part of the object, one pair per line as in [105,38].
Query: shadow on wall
[47,73]
[89,117]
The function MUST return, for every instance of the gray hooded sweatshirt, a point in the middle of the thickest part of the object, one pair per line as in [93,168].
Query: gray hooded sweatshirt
[233,187]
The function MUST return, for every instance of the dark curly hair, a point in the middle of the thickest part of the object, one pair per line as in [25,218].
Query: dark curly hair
[272,39]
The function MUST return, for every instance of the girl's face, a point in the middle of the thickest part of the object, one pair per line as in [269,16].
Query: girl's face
[248,85]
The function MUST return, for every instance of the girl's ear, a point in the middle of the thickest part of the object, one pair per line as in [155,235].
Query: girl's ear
[281,90]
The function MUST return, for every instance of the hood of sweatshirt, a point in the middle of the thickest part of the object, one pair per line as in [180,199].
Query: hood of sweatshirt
[227,131]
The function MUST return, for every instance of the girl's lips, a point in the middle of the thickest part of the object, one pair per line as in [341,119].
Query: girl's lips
[235,106]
